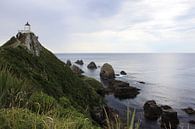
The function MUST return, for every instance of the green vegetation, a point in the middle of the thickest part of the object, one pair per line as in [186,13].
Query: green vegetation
[22,109]
[18,118]
[48,74]
[35,88]
[117,123]
[41,92]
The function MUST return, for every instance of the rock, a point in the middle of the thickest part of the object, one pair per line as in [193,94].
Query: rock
[117,75]
[123,73]
[117,83]
[122,90]
[192,122]
[76,70]
[151,110]
[165,107]
[30,41]
[107,72]
[169,119]
[92,65]
[141,82]
[189,110]
[68,63]
[126,92]
[80,62]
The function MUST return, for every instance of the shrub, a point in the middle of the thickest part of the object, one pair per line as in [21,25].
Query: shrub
[41,103]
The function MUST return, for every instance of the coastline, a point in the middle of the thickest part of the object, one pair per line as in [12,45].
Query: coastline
[183,118]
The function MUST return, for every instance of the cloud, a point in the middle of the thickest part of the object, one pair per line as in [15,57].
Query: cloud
[104,25]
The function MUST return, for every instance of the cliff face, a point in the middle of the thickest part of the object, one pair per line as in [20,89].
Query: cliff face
[28,40]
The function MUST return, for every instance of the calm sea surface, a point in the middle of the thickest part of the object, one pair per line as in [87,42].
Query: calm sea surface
[170,80]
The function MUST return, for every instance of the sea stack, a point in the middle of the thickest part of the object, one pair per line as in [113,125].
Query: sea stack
[107,72]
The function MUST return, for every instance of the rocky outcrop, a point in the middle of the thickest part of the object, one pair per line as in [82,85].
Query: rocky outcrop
[142,82]
[92,65]
[68,63]
[120,89]
[27,40]
[30,40]
[76,70]
[123,73]
[189,110]
[123,90]
[79,62]
[169,119]
[107,72]
[151,110]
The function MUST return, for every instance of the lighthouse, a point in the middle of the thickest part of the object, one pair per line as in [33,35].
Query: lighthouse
[27,28]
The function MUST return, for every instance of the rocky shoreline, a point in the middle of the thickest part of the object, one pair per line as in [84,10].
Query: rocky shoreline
[165,114]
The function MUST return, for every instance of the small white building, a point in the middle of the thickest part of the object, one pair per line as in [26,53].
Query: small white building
[27,28]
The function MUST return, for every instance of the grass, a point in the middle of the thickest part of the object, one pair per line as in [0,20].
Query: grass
[18,118]
[40,110]
[117,123]
[13,91]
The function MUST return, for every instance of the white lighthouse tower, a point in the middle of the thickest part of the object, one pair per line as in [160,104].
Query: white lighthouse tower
[27,28]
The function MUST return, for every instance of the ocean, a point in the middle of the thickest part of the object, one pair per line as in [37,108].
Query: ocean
[170,80]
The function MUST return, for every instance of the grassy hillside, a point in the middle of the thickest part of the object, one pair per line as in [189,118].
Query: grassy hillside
[42,92]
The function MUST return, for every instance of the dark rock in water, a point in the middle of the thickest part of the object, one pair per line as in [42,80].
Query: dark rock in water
[169,119]
[151,110]
[123,73]
[117,74]
[142,82]
[76,70]
[189,110]
[192,122]
[126,92]
[122,90]
[80,62]
[117,83]
[107,72]
[92,65]
[165,107]
[68,63]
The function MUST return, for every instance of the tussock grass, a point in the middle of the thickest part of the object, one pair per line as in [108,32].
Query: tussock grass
[20,109]
[13,91]
[117,123]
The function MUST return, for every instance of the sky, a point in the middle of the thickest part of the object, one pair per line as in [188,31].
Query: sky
[103,26]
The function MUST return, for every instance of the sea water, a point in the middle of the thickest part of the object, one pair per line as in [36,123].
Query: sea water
[169,80]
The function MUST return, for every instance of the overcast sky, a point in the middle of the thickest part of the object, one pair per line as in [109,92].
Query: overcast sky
[103,25]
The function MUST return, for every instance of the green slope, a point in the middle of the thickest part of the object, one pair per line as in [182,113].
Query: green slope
[47,74]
